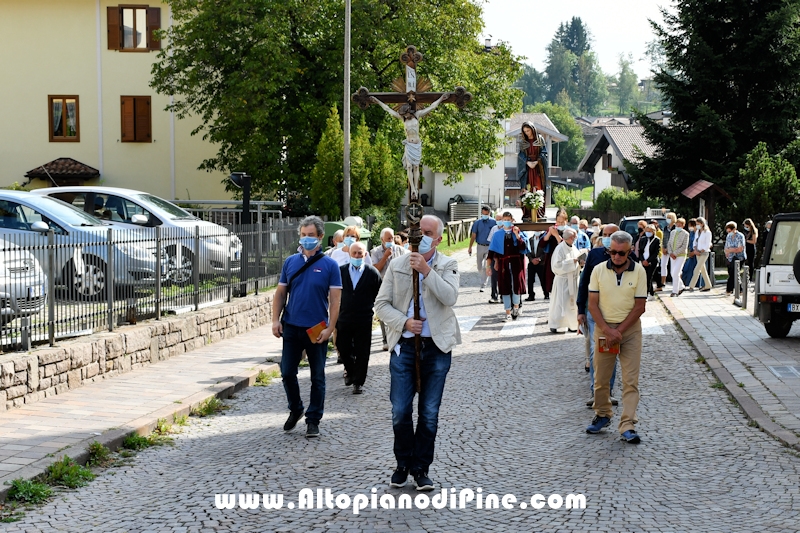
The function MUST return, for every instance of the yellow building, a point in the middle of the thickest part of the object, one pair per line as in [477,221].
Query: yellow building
[75,84]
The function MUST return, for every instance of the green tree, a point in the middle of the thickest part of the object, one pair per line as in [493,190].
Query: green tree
[560,70]
[732,78]
[327,174]
[386,174]
[531,83]
[360,165]
[571,152]
[590,92]
[627,85]
[261,76]
[574,35]
[768,185]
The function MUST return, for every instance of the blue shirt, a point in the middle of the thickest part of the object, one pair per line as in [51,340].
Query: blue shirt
[308,296]
[582,241]
[481,229]
[355,274]
[735,239]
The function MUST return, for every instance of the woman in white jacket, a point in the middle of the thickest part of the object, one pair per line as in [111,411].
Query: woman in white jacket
[702,247]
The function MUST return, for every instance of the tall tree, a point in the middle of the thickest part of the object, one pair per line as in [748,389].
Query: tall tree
[589,93]
[571,152]
[574,35]
[262,75]
[560,69]
[627,85]
[327,175]
[386,174]
[732,78]
[531,83]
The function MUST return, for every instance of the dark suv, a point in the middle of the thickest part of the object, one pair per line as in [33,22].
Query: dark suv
[778,290]
[631,224]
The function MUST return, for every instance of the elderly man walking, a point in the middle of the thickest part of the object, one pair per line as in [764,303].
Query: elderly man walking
[381,257]
[438,327]
[617,298]
[480,234]
[313,285]
[566,267]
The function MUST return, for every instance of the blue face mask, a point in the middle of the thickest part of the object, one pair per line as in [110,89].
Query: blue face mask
[388,244]
[606,242]
[484,217]
[309,243]
[561,228]
[507,224]
[425,244]
[349,240]
[339,245]
[356,262]
[575,227]
[648,234]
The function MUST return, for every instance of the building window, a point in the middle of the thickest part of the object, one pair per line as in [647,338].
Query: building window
[63,118]
[133,28]
[136,119]
[609,162]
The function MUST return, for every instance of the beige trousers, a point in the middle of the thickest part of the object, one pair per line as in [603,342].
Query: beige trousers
[630,355]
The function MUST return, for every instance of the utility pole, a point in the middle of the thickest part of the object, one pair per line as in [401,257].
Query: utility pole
[347,97]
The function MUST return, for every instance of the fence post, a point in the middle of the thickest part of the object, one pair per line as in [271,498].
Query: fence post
[259,248]
[229,270]
[51,287]
[196,268]
[158,272]
[736,280]
[745,283]
[110,278]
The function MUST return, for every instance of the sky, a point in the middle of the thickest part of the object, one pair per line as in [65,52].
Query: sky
[616,26]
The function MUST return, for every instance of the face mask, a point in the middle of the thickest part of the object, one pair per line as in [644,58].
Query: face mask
[356,262]
[405,246]
[606,242]
[641,230]
[339,245]
[747,227]
[425,244]
[507,224]
[484,217]
[575,227]
[561,228]
[349,240]
[309,243]
[648,234]
[388,244]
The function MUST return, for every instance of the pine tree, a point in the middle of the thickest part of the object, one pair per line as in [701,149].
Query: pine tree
[327,174]
[360,168]
[387,177]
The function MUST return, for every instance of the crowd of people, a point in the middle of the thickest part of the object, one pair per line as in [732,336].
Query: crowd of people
[595,277]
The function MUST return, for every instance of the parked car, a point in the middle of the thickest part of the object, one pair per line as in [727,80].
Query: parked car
[22,283]
[778,289]
[81,244]
[631,224]
[219,248]
[466,199]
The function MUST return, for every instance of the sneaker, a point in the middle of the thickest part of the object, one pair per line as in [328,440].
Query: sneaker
[590,403]
[631,437]
[508,316]
[481,289]
[312,430]
[494,301]
[650,298]
[385,347]
[514,313]
[399,477]
[347,379]
[357,389]
[705,289]
[422,481]
[613,400]
[294,417]
[598,423]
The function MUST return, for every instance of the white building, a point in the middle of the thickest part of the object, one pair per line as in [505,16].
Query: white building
[605,158]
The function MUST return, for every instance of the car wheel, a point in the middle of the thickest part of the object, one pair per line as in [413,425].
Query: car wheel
[796,267]
[88,281]
[180,265]
[779,329]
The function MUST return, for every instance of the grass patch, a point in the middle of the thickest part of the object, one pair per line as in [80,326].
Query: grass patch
[210,407]
[127,453]
[28,492]
[700,359]
[99,455]
[68,473]
[717,385]
[454,247]
[303,363]
[9,513]
[162,427]
[753,424]
[265,378]
[741,384]
[182,420]
[136,442]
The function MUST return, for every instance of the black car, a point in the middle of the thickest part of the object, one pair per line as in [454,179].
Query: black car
[467,199]
[631,224]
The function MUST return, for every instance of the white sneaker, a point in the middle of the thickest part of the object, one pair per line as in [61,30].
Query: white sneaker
[650,298]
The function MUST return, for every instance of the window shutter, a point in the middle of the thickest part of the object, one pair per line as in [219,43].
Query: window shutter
[128,131]
[143,133]
[153,24]
[114,16]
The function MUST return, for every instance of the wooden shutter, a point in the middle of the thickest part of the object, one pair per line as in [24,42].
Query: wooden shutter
[128,120]
[114,22]
[142,120]
[153,25]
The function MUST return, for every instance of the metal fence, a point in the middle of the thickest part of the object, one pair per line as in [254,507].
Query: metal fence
[58,284]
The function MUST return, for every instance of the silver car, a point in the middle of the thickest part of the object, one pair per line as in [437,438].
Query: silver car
[22,283]
[81,250]
[219,249]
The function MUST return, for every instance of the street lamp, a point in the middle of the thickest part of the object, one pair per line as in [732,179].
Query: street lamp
[242,180]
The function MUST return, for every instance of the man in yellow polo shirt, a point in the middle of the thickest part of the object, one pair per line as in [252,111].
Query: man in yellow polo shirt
[617,297]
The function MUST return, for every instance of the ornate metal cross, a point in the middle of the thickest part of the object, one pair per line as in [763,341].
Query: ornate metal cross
[407,98]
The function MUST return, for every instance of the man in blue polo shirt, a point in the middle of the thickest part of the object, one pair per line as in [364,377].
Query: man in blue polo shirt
[480,233]
[310,289]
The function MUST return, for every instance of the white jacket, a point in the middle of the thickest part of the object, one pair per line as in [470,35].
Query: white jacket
[439,292]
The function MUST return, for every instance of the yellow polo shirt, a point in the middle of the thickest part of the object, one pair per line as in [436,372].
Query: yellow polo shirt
[618,293]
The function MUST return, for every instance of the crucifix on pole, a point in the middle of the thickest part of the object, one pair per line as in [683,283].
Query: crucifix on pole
[411,94]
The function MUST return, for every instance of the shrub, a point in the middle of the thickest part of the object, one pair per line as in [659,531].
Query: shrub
[563,197]
[68,473]
[612,199]
[27,491]
[99,455]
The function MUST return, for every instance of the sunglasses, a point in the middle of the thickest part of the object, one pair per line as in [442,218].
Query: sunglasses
[618,252]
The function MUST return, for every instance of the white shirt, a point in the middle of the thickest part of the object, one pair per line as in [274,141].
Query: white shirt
[343,258]
[703,241]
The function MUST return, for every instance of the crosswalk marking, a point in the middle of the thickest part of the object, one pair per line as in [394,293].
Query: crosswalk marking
[650,326]
[466,323]
[516,328]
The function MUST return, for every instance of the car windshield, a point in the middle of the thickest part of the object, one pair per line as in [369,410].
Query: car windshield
[467,198]
[786,243]
[63,211]
[174,212]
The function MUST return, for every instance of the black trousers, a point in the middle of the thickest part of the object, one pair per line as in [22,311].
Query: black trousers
[495,292]
[731,278]
[354,341]
[650,270]
[534,271]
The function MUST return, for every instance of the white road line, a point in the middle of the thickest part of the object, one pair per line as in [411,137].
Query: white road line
[650,326]
[516,328]
[466,323]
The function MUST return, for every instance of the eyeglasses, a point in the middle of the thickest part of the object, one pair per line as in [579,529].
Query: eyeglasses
[618,252]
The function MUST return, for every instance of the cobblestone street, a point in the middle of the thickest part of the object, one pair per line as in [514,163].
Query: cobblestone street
[512,422]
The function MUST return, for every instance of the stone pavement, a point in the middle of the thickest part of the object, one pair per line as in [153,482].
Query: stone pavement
[64,424]
[512,422]
[767,368]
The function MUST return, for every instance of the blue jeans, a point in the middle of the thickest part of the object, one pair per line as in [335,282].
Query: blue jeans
[414,450]
[590,323]
[508,299]
[295,340]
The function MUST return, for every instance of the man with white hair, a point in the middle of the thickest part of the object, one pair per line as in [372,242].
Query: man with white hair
[565,265]
[337,240]
[582,241]
[381,257]
[439,332]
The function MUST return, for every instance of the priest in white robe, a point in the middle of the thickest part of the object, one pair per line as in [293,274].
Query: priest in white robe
[566,267]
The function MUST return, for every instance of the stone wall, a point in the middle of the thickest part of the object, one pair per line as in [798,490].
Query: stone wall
[43,372]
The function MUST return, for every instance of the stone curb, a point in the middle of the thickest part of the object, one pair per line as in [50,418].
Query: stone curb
[750,407]
[144,425]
